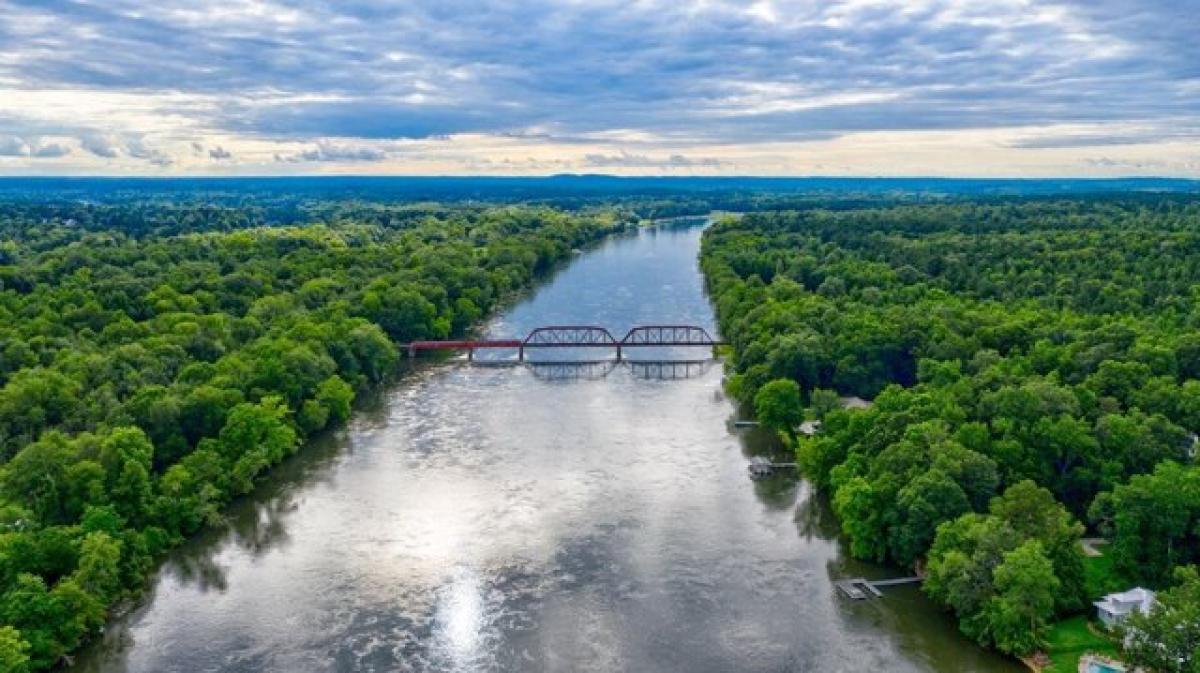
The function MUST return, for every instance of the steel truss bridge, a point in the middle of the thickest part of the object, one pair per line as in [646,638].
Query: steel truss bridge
[579,336]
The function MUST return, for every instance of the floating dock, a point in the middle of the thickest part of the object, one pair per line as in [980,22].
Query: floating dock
[761,467]
[860,588]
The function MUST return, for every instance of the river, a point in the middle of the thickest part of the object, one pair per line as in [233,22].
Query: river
[479,518]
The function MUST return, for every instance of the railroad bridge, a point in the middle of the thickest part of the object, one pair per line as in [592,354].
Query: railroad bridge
[580,336]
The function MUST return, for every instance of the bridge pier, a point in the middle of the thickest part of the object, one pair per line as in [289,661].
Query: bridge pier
[521,354]
[618,353]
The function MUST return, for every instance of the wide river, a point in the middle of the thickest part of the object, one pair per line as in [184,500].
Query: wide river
[516,518]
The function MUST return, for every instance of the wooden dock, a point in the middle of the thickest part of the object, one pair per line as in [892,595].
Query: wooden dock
[860,588]
[761,467]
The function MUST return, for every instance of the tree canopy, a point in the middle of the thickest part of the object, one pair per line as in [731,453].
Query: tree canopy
[1044,349]
[157,360]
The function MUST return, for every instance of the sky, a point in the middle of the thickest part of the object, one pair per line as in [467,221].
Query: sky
[1021,88]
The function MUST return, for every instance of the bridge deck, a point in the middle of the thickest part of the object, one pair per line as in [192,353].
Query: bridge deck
[463,345]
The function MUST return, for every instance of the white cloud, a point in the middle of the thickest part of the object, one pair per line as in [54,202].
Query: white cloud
[653,86]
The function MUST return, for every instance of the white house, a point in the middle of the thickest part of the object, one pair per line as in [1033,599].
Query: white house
[1114,608]
[810,428]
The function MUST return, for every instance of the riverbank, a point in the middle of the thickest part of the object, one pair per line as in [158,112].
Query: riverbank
[184,383]
[484,518]
[997,387]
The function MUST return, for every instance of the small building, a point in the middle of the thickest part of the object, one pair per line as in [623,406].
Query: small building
[853,402]
[1114,608]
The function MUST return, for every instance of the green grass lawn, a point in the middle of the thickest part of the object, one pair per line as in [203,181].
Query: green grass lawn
[1070,639]
[1101,576]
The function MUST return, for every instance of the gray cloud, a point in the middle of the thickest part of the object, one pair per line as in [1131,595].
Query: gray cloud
[1170,132]
[99,145]
[1156,166]
[51,151]
[220,153]
[675,71]
[627,160]
[325,151]
[12,146]
[136,147]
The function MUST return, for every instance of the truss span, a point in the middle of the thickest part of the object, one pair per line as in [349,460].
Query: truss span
[668,335]
[569,336]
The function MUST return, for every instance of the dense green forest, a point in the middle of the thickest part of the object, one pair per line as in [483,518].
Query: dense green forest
[157,359]
[1034,369]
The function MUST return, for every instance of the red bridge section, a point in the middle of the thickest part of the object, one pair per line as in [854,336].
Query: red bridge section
[580,336]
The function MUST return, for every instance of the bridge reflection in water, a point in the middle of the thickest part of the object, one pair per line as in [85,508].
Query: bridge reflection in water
[591,370]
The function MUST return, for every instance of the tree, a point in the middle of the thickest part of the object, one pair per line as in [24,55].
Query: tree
[823,401]
[1032,513]
[856,504]
[311,417]
[85,486]
[99,565]
[779,407]
[336,396]
[32,401]
[203,411]
[28,607]
[155,409]
[922,505]
[961,562]
[14,651]
[125,445]
[364,353]
[1025,588]
[404,314]
[1167,639]
[101,519]
[37,476]
[1038,541]
[79,613]
[1154,519]
[254,437]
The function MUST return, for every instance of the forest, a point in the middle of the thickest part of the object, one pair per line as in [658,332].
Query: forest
[156,359]
[1034,372]
[1033,364]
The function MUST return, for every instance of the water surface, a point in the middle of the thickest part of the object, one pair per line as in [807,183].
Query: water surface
[488,518]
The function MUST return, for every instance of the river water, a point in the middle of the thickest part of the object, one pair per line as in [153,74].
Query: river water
[547,518]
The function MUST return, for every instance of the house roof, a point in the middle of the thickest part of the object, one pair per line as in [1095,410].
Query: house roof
[810,428]
[854,403]
[1127,601]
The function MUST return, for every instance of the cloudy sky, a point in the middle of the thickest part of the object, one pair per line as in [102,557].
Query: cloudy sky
[778,87]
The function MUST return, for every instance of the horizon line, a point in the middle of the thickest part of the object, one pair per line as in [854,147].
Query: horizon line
[615,176]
